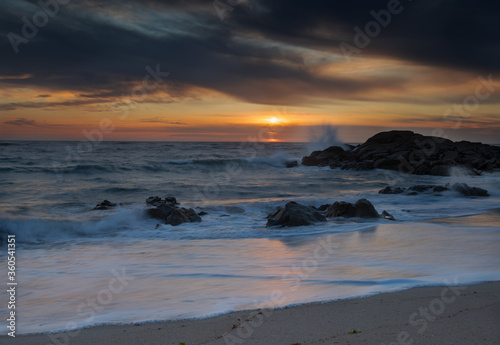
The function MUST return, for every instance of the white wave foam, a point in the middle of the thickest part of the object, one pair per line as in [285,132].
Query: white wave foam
[322,137]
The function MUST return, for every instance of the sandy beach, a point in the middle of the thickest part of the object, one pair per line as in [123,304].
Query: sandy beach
[426,315]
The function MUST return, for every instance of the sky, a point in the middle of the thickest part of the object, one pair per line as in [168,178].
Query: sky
[236,70]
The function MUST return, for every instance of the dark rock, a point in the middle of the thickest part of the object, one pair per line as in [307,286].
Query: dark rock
[311,159]
[387,163]
[154,201]
[365,165]
[171,200]
[362,208]
[323,207]
[462,188]
[410,152]
[423,169]
[341,209]
[202,213]
[157,201]
[390,137]
[168,211]
[365,209]
[439,189]
[292,164]
[294,214]
[440,170]
[387,215]
[161,211]
[336,164]
[176,217]
[469,191]
[422,188]
[391,190]
[105,205]
[325,157]
[191,214]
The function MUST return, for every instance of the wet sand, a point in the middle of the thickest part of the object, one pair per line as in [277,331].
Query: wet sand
[427,315]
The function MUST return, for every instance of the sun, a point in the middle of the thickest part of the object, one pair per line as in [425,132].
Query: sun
[274,120]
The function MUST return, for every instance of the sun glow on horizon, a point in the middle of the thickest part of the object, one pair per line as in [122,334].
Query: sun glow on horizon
[274,120]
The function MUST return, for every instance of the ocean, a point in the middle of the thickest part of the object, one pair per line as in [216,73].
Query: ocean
[78,267]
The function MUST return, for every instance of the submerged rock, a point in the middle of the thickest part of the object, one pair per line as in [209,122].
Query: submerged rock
[391,190]
[105,205]
[292,164]
[294,214]
[387,215]
[422,188]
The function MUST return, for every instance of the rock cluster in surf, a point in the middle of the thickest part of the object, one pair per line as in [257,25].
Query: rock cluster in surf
[410,152]
[462,188]
[168,211]
[295,214]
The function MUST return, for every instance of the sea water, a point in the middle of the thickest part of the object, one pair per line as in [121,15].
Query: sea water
[78,267]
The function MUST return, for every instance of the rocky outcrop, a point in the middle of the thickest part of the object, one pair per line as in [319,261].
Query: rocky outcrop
[410,152]
[168,211]
[462,188]
[294,214]
[105,205]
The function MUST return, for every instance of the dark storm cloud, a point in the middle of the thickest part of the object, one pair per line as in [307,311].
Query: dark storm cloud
[37,105]
[21,122]
[460,34]
[100,49]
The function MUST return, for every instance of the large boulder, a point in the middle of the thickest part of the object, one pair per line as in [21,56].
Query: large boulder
[362,208]
[294,214]
[365,209]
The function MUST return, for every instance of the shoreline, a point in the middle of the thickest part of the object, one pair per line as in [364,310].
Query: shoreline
[467,314]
